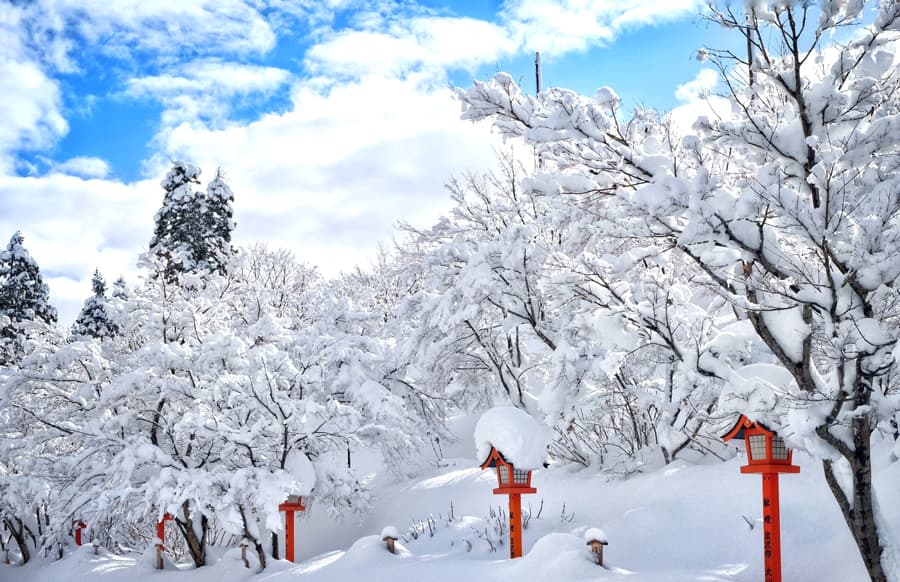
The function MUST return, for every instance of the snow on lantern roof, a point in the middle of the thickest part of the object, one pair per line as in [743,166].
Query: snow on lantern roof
[516,435]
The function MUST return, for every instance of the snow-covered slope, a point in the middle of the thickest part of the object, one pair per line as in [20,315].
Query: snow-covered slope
[682,522]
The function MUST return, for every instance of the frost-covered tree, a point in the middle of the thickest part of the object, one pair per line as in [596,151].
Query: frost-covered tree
[23,294]
[24,299]
[93,319]
[786,201]
[193,228]
[176,229]
[217,224]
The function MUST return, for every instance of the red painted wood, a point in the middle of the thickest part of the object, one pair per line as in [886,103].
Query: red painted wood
[79,525]
[771,528]
[515,525]
[289,535]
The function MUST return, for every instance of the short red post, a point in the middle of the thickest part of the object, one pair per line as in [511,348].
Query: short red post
[767,455]
[78,525]
[292,504]
[161,539]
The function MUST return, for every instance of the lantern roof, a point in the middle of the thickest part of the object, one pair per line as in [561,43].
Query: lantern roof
[518,438]
[744,424]
[494,456]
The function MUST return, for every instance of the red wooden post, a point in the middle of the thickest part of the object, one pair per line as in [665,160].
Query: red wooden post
[293,503]
[771,528]
[515,483]
[161,537]
[515,525]
[768,456]
[78,525]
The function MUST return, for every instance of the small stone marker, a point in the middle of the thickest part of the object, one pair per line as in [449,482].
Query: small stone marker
[389,535]
[596,539]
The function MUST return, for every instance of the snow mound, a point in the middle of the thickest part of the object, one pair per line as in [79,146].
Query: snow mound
[519,437]
[390,532]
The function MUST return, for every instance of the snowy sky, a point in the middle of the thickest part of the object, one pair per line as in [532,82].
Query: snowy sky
[332,119]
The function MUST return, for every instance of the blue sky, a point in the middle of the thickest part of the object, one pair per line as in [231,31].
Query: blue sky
[332,119]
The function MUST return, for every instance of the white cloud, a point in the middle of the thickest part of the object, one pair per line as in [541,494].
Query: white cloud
[30,103]
[164,27]
[84,166]
[555,27]
[701,86]
[423,43]
[205,89]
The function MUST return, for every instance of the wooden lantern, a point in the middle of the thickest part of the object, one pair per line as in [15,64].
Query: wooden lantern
[292,504]
[513,482]
[767,455]
[509,479]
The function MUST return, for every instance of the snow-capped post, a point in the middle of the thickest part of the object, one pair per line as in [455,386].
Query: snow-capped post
[389,535]
[96,545]
[513,442]
[243,547]
[768,455]
[293,503]
[77,526]
[161,539]
[596,539]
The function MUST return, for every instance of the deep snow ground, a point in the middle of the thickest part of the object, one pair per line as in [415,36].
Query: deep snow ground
[676,524]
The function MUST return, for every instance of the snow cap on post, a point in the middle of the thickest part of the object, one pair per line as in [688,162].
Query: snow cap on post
[517,435]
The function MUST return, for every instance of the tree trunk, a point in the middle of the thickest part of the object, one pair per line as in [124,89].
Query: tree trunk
[196,544]
[275,552]
[260,552]
[859,513]
[17,531]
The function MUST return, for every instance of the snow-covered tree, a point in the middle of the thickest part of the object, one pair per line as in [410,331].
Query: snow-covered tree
[23,294]
[217,224]
[93,320]
[784,204]
[24,298]
[193,228]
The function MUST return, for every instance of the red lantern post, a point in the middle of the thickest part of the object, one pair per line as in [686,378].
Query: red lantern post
[78,525]
[767,455]
[161,537]
[293,503]
[515,483]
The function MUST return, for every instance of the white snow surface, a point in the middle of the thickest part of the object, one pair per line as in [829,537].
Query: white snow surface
[675,523]
[519,437]
[390,532]
[594,534]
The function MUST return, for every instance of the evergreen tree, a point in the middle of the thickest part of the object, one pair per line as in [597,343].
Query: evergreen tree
[193,228]
[120,289]
[23,294]
[93,320]
[217,224]
[176,232]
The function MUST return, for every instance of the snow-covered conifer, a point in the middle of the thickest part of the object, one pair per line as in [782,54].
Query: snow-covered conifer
[178,231]
[93,320]
[217,224]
